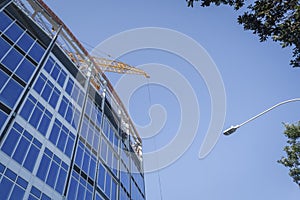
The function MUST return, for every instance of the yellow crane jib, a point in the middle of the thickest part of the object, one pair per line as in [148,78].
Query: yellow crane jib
[106,65]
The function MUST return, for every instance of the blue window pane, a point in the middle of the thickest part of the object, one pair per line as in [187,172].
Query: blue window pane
[62,78]
[48,66]
[31,158]
[3,77]
[109,157]
[69,86]
[2,168]
[62,141]
[86,162]
[25,70]
[96,142]
[45,197]
[14,32]
[27,109]
[106,128]
[72,189]
[107,184]
[55,72]
[88,195]
[98,120]
[48,113]
[12,138]
[80,194]
[101,176]
[11,93]
[43,127]
[116,142]
[10,174]
[75,175]
[43,169]
[64,166]
[84,128]
[69,147]
[4,46]
[31,197]
[90,135]
[6,186]
[5,21]
[17,193]
[35,191]
[69,114]
[111,135]
[65,129]
[89,187]
[80,98]
[103,150]
[63,107]
[92,168]
[47,91]
[61,181]
[115,166]
[36,116]
[22,182]
[88,107]
[56,158]
[25,42]
[52,174]
[48,152]
[37,143]
[94,113]
[54,97]
[27,135]
[79,155]
[58,122]
[3,118]
[39,84]
[18,127]
[36,52]
[21,150]
[75,92]
[12,59]
[54,134]
[76,119]
[114,190]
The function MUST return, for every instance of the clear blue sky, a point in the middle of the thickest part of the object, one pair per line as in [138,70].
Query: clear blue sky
[255,75]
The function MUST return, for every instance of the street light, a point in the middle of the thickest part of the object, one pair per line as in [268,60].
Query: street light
[232,129]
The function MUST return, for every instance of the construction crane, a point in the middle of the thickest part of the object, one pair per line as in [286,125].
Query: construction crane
[105,65]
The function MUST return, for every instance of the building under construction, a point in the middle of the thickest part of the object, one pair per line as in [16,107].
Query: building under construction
[64,133]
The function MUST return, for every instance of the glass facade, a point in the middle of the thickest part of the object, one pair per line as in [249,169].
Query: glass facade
[57,140]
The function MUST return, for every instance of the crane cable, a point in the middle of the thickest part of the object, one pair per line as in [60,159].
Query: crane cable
[155,146]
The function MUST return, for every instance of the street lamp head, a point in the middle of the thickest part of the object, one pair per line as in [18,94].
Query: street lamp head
[231,130]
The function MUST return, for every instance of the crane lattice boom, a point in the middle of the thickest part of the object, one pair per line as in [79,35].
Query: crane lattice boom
[106,65]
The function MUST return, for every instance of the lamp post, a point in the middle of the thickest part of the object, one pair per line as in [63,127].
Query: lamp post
[232,129]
